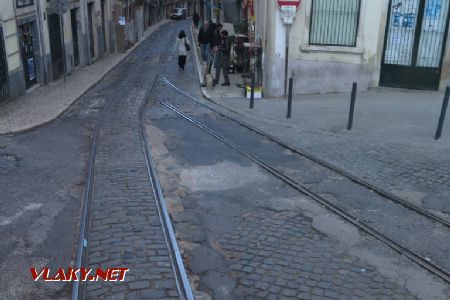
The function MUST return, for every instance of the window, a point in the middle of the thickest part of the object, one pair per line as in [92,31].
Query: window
[22,3]
[334,22]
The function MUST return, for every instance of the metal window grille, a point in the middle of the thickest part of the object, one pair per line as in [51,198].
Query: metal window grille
[433,33]
[334,22]
[23,3]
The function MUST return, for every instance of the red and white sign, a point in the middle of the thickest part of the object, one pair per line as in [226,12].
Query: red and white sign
[295,3]
[288,10]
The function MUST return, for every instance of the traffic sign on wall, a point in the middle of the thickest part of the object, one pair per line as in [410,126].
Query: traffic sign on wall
[295,3]
[288,10]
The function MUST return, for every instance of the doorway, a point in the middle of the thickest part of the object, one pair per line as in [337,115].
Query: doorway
[414,44]
[4,84]
[27,52]
[91,30]
[54,30]
[104,22]
[74,26]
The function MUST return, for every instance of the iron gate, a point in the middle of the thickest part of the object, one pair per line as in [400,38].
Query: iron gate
[414,43]
[4,84]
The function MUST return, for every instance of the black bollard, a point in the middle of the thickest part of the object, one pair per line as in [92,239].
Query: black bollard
[252,91]
[443,112]
[352,106]
[289,108]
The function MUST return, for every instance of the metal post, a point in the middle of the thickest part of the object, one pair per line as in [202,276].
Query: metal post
[252,90]
[61,27]
[287,59]
[289,108]
[352,106]
[443,112]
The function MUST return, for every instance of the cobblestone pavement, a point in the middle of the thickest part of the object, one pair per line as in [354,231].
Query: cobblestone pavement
[417,172]
[246,235]
[276,255]
[126,230]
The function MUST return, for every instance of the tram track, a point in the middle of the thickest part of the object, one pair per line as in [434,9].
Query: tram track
[82,253]
[413,255]
[182,279]
[85,221]
[364,183]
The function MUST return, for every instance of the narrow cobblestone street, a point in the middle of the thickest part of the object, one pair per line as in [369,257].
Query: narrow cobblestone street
[243,230]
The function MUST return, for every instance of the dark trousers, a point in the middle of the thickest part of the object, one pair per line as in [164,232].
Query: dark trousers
[181,61]
[223,64]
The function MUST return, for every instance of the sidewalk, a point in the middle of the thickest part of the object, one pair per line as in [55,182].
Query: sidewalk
[47,102]
[382,114]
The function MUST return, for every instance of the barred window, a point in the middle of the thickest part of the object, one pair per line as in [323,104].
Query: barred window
[334,22]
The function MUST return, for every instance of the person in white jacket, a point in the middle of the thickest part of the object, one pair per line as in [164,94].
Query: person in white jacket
[182,47]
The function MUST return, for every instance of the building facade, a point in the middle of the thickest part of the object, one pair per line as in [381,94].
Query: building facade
[396,43]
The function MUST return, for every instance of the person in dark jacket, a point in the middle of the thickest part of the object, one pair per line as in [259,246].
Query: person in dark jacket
[196,19]
[212,27]
[216,37]
[216,40]
[204,39]
[224,58]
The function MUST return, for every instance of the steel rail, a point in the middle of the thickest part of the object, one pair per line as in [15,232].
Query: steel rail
[417,258]
[313,158]
[181,276]
[85,220]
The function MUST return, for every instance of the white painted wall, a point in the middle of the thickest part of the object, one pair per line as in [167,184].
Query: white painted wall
[316,68]
[7,18]
[369,39]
